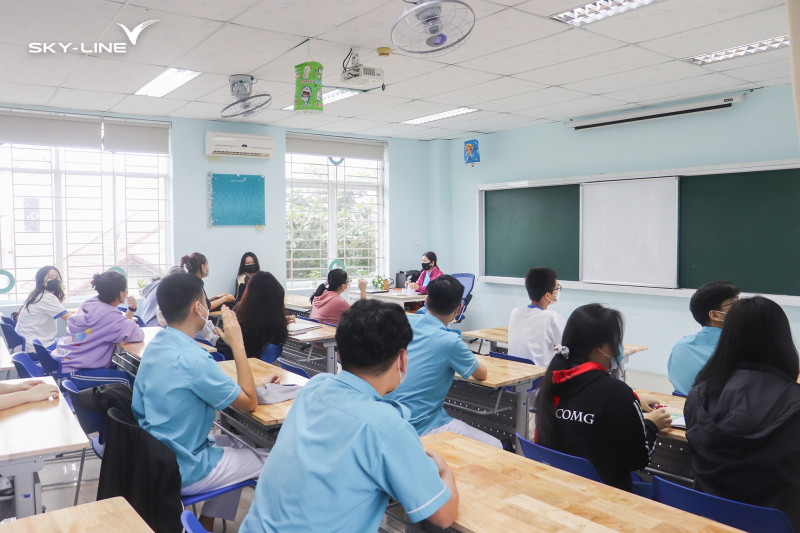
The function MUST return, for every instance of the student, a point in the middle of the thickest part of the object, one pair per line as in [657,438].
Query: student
[148,307]
[533,330]
[31,390]
[345,449]
[197,265]
[247,267]
[435,355]
[261,316]
[38,315]
[581,410]
[179,388]
[327,302]
[709,305]
[93,331]
[430,271]
[743,413]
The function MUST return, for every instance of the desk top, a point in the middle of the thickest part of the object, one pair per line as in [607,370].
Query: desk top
[397,296]
[296,301]
[272,414]
[39,428]
[97,517]
[137,348]
[502,491]
[320,334]
[5,357]
[501,335]
[503,373]
[675,404]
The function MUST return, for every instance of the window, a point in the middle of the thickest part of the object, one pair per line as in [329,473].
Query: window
[83,210]
[334,210]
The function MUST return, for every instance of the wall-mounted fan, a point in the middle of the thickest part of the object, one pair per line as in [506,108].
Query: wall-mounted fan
[245,104]
[433,26]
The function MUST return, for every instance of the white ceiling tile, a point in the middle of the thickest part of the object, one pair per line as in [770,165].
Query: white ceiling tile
[391,130]
[75,21]
[456,122]
[397,67]
[352,125]
[472,95]
[641,97]
[439,81]
[407,111]
[564,46]
[25,93]
[364,103]
[765,71]
[90,100]
[236,49]
[304,17]
[678,89]
[430,134]
[329,54]
[200,86]
[777,81]
[750,61]
[499,122]
[160,43]
[306,121]
[590,105]
[99,74]
[618,60]
[146,105]
[42,69]
[267,116]
[368,30]
[673,16]
[200,110]
[551,95]
[280,92]
[742,30]
[210,9]
[547,8]
[665,72]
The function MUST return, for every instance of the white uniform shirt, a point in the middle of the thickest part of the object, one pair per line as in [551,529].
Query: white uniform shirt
[532,332]
[38,320]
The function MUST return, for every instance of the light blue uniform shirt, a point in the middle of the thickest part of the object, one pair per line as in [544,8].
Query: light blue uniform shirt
[690,355]
[434,356]
[177,391]
[342,452]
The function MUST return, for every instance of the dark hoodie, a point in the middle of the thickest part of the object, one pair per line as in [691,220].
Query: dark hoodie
[600,418]
[745,443]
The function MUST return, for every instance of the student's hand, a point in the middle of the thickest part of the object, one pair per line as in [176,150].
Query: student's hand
[274,378]
[231,331]
[25,385]
[42,391]
[660,418]
[290,319]
[646,402]
[362,285]
[131,302]
[441,464]
[413,286]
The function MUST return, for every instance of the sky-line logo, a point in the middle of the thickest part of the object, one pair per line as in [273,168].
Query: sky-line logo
[93,48]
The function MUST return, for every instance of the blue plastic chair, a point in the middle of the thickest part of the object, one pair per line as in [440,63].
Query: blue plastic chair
[501,355]
[286,365]
[8,320]
[25,366]
[51,366]
[732,513]
[570,463]
[137,318]
[191,524]
[90,423]
[679,394]
[468,281]
[13,339]
[271,353]
[218,357]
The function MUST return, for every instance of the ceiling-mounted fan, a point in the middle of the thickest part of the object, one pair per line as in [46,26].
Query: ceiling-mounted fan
[245,104]
[433,26]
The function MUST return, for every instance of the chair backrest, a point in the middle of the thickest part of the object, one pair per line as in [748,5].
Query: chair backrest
[575,465]
[735,514]
[468,281]
[286,365]
[271,352]
[12,337]
[680,394]
[8,320]
[89,421]
[51,366]
[500,355]
[25,366]
[191,524]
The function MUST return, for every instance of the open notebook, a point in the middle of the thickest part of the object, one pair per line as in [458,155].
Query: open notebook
[301,326]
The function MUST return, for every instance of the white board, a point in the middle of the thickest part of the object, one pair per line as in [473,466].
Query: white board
[629,232]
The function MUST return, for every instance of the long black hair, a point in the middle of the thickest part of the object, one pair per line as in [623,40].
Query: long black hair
[244,258]
[756,330]
[588,327]
[192,263]
[261,313]
[40,288]
[336,278]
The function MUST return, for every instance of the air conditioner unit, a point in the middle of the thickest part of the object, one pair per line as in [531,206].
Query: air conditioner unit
[361,76]
[221,143]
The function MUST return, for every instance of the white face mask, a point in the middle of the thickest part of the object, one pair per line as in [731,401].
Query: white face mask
[207,312]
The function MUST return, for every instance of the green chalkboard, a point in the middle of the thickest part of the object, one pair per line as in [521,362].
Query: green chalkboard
[744,227]
[534,226]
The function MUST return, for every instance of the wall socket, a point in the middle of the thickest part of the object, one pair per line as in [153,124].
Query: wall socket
[416,240]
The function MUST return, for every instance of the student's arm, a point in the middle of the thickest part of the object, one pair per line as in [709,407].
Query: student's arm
[480,373]
[634,432]
[25,392]
[65,316]
[447,513]
[231,333]
[131,307]
[464,362]
[220,299]
[362,287]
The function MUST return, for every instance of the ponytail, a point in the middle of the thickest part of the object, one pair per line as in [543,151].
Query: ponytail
[318,292]
[192,263]
[336,278]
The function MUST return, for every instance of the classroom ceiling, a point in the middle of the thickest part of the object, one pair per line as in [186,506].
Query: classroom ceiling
[518,67]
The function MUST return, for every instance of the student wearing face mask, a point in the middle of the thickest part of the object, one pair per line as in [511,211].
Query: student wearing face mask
[534,329]
[38,315]
[581,410]
[247,267]
[196,264]
[430,271]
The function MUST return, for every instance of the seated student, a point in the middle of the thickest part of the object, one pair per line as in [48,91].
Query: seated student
[743,412]
[345,449]
[37,317]
[93,331]
[327,302]
[247,267]
[261,316]
[31,390]
[435,355]
[179,388]
[581,410]
[708,305]
[533,330]
[197,265]
[430,271]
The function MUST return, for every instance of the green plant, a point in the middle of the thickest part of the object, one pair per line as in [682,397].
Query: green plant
[141,283]
[377,282]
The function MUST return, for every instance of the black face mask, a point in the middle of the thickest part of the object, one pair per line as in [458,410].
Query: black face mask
[426,266]
[53,285]
[251,269]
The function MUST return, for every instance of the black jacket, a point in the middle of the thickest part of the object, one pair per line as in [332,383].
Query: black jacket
[746,443]
[599,418]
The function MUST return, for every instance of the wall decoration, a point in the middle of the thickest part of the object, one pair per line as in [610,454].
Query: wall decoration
[308,87]
[471,153]
[236,199]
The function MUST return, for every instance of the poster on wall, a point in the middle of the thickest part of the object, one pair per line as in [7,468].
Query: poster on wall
[236,199]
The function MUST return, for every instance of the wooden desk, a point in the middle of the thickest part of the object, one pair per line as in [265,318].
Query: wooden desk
[29,434]
[296,302]
[325,335]
[495,335]
[397,296]
[675,404]
[500,491]
[128,355]
[672,458]
[114,514]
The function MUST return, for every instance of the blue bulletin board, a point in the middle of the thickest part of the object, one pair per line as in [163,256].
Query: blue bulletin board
[236,199]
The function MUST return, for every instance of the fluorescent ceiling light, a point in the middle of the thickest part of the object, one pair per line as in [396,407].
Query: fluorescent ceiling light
[440,116]
[166,82]
[739,51]
[330,97]
[599,10]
